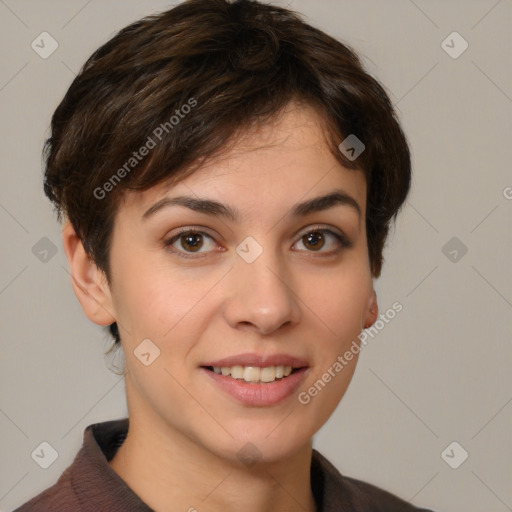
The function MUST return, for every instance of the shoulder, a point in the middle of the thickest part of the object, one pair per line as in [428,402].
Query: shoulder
[336,491]
[377,499]
[59,496]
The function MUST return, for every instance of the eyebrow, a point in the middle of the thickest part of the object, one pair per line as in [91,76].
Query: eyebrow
[214,208]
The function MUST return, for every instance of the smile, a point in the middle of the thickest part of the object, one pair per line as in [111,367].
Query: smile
[254,373]
[256,392]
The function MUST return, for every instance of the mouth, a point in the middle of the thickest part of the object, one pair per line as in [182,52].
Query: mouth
[257,380]
[255,374]
[257,386]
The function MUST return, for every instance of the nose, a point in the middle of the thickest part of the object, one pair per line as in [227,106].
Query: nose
[261,295]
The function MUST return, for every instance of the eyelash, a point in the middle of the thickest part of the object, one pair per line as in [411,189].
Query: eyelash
[342,240]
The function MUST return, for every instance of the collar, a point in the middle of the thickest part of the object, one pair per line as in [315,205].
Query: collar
[98,487]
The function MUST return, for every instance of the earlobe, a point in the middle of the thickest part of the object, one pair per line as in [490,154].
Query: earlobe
[372,312]
[89,283]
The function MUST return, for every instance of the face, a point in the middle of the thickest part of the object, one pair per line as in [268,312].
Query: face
[270,286]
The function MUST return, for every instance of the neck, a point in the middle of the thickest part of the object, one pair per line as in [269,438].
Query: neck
[170,472]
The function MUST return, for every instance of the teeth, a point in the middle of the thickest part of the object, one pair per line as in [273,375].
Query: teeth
[254,373]
[237,372]
[268,374]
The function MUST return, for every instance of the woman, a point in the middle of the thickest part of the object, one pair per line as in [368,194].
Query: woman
[227,175]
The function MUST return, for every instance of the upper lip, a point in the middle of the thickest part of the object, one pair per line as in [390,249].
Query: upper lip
[259,361]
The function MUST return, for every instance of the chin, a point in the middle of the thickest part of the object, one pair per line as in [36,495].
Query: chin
[267,442]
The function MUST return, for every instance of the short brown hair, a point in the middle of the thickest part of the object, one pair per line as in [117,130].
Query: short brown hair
[232,65]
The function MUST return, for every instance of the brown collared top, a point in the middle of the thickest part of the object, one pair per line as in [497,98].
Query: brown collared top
[89,484]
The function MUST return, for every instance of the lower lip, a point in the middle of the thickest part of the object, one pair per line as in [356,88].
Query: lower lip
[259,395]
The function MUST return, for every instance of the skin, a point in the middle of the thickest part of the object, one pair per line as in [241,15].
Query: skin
[185,433]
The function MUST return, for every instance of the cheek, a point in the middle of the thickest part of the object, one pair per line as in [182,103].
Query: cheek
[153,300]
[339,301]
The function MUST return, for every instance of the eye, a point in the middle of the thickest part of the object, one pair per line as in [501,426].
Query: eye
[190,240]
[316,239]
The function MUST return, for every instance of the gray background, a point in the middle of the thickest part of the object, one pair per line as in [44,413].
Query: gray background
[438,373]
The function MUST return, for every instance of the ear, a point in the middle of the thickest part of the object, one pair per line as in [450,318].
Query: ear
[89,283]
[372,311]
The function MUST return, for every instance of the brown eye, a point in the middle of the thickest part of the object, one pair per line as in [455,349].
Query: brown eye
[191,241]
[318,240]
[314,240]
[188,242]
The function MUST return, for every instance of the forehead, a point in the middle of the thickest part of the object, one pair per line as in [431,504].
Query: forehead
[269,166]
